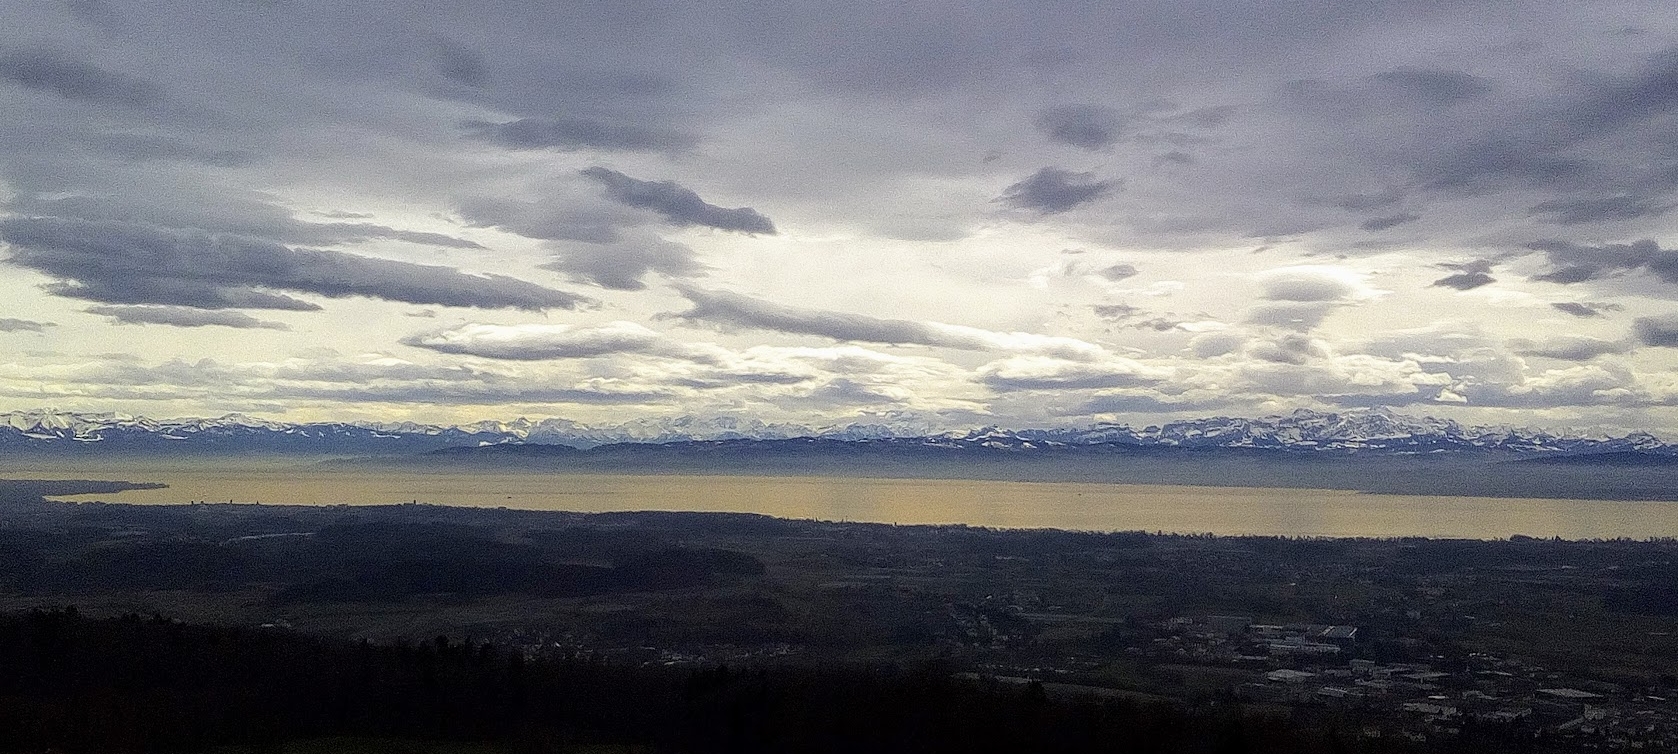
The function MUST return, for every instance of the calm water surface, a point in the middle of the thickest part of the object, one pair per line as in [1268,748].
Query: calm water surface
[1096,507]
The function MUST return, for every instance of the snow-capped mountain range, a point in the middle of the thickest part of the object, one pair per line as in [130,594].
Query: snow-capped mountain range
[1379,431]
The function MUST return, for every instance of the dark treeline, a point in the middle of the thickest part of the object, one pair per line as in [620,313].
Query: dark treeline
[357,561]
[136,684]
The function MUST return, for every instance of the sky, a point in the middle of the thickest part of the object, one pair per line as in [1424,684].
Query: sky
[1039,213]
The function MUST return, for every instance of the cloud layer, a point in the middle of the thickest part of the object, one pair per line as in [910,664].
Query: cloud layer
[1002,212]
[132,264]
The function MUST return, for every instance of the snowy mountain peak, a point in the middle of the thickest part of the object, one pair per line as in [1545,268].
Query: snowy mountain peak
[1378,430]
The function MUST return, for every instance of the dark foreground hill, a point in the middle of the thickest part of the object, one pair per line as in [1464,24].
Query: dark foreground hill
[137,684]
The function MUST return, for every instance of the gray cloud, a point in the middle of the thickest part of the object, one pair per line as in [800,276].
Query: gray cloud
[1174,157]
[1432,87]
[622,266]
[1657,331]
[1293,348]
[733,310]
[96,13]
[49,71]
[1570,348]
[122,263]
[12,324]
[1070,376]
[1648,92]
[342,382]
[1377,224]
[1124,403]
[1585,308]
[1117,312]
[1051,191]
[1157,324]
[1465,281]
[538,342]
[459,63]
[181,316]
[1118,272]
[1369,201]
[1306,284]
[238,214]
[553,221]
[1598,209]
[680,206]
[1470,275]
[1574,141]
[575,134]
[1297,315]
[1091,127]
[474,394]
[1577,263]
[143,147]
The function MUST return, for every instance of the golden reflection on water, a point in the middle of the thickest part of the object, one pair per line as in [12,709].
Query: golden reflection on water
[1081,506]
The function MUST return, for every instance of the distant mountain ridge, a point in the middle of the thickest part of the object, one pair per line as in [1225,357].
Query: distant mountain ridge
[1363,431]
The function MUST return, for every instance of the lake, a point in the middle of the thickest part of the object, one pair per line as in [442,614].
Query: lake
[1081,506]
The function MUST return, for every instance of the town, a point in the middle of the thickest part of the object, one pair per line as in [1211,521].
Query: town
[1570,645]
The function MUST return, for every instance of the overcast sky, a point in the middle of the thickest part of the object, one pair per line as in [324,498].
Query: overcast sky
[1022,213]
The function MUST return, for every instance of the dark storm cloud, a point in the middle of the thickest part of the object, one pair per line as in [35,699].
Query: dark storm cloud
[575,134]
[97,13]
[1377,224]
[1091,127]
[1577,263]
[49,71]
[1585,309]
[225,214]
[1648,92]
[1369,201]
[12,324]
[1432,87]
[549,221]
[146,147]
[1657,331]
[340,233]
[181,316]
[732,310]
[123,263]
[623,266]
[1587,141]
[678,205]
[1174,157]
[1571,348]
[1598,209]
[1470,275]
[1465,281]
[1051,191]
[459,63]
